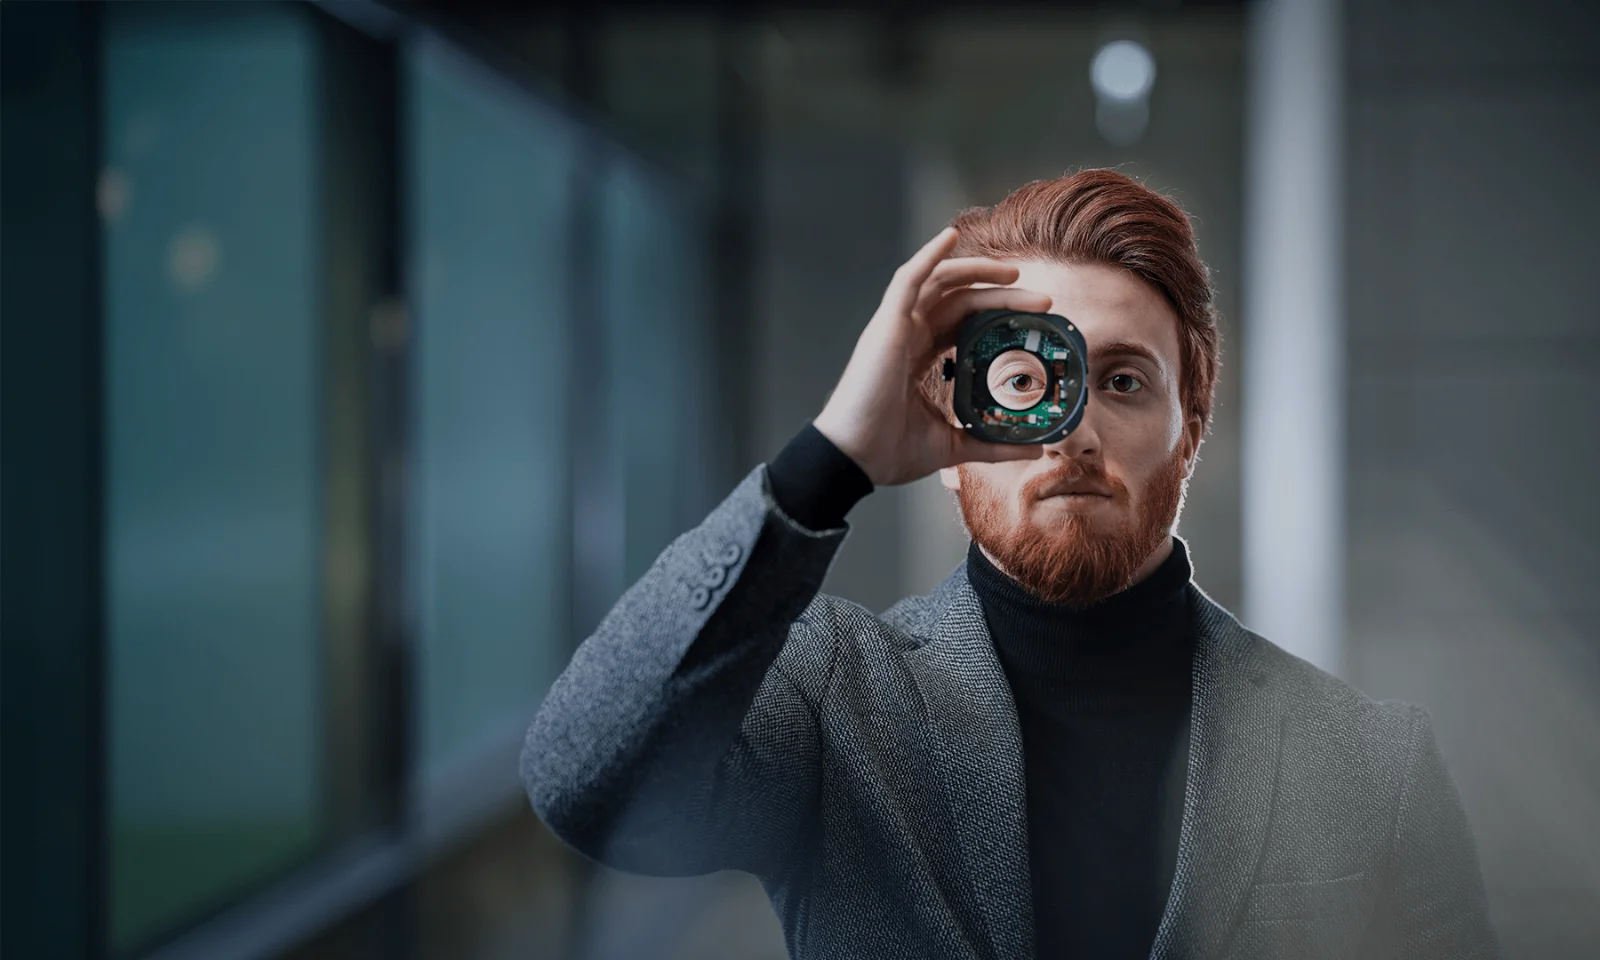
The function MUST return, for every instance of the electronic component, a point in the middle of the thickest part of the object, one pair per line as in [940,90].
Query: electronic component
[1019,377]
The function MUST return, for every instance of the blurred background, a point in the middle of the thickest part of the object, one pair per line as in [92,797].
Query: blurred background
[357,356]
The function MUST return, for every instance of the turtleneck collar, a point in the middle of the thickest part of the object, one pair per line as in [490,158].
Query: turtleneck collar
[1141,632]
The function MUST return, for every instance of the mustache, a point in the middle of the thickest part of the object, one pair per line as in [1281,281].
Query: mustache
[1070,472]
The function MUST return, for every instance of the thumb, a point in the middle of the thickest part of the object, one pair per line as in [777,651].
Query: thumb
[969,449]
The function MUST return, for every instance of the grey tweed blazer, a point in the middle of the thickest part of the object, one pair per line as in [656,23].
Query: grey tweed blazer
[868,769]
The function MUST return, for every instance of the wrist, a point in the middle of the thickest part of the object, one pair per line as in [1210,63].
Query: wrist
[815,482]
[845,441]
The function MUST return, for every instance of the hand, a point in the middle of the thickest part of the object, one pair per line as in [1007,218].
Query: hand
[878,414]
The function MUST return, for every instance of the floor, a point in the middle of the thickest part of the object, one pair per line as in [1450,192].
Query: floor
[516,892]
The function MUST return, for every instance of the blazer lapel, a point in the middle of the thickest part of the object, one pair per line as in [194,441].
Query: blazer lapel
[977,742]
[1235,737]
[1233,764]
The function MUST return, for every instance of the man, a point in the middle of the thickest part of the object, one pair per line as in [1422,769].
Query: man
[1067,749]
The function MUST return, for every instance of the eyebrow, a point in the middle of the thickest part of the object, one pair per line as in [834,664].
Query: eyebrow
[1125,348]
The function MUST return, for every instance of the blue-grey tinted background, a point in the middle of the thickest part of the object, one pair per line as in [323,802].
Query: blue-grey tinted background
[421,328]
[652,384]
[211,401]
[490,189]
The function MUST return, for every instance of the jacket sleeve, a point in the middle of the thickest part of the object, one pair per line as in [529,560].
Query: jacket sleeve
[1433,903]
[672,744]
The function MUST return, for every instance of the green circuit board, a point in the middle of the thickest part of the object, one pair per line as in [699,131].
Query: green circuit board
[1043,343]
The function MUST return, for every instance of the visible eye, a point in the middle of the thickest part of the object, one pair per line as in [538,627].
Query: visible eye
[1125,383]
[1016,379]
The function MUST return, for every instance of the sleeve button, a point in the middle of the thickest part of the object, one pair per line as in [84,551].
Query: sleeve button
[699,597]
[730,554]
[716,576]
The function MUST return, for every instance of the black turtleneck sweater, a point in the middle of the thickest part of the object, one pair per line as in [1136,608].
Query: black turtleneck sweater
[1103,701]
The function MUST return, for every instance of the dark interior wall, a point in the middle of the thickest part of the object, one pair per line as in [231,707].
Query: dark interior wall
[53,646]
[1474,364]
[830,232]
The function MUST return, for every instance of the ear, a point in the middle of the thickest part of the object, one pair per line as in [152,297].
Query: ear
[1193,435]
[950,477]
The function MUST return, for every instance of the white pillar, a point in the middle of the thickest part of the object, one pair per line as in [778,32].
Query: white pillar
[1293,330]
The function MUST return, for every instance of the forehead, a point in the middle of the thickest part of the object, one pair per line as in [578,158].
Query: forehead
[1106,303]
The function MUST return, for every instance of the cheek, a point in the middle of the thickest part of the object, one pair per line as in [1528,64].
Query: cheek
[1139,446]
[994,480]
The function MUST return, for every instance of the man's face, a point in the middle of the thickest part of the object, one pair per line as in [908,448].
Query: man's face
[1087,518]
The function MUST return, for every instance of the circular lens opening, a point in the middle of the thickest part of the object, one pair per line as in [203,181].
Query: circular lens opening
[1017,379]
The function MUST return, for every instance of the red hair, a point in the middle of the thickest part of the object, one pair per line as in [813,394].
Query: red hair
[1102,216]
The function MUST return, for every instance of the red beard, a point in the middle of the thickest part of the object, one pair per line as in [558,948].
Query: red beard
[1072,562]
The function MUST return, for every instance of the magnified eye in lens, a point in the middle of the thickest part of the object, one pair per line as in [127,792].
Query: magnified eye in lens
[1017,379]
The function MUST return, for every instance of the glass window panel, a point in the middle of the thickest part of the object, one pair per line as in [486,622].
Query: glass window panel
[212,456]
[490,174]
[653,296]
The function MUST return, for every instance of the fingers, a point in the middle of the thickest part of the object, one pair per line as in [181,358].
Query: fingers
[961,272]
[969,449]
[912,274]
[948,313]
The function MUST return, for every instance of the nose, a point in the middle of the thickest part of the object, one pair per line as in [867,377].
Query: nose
[1083,443]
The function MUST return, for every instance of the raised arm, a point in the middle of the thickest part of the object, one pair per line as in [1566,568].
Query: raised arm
[668,745]
[677,741]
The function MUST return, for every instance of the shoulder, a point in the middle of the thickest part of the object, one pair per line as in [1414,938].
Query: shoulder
[899,626]
[832,628]
[1322,695]
[1328,722]
[915,617]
